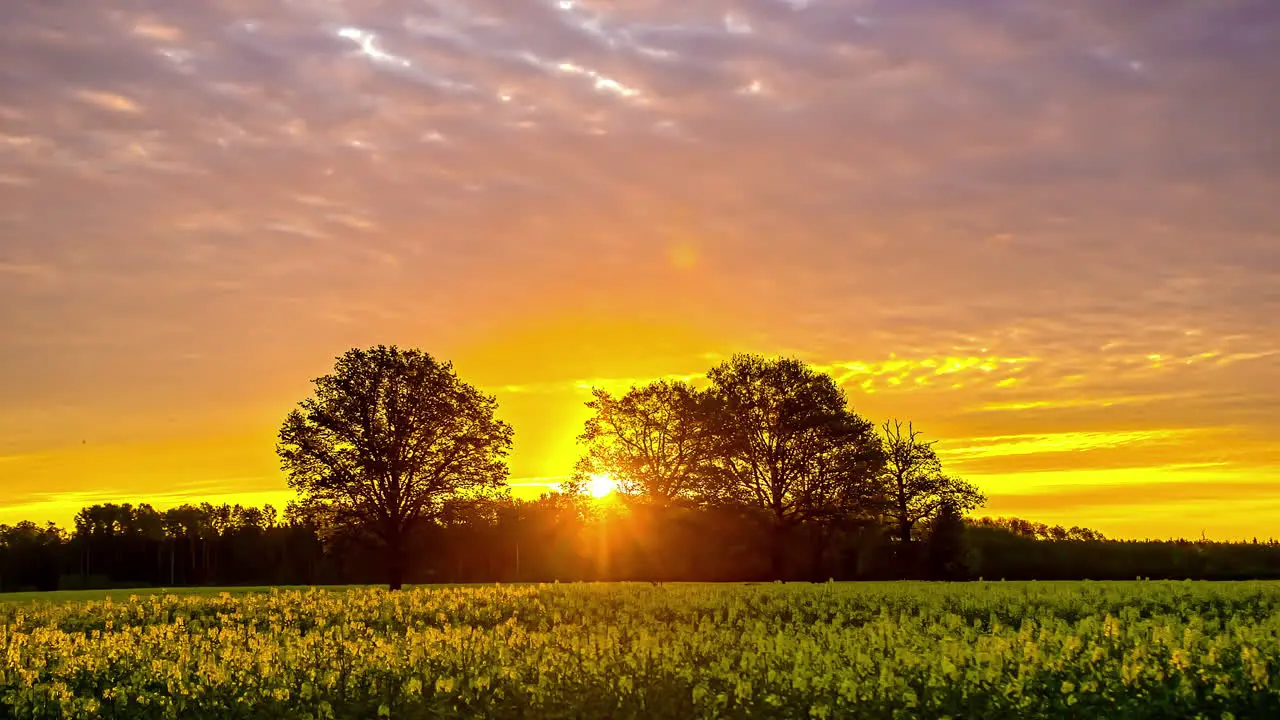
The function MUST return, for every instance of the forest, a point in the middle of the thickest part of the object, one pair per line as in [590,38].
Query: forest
[567,538]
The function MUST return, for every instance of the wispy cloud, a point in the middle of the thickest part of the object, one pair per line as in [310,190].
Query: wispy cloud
[860,376]
[1003,446]
[109,101]
[1023,219]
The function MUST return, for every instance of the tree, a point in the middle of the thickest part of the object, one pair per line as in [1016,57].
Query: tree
[386,439]
[191,524]
[787,443]
[651,441]
[29,556]
[915,484]
[947,548]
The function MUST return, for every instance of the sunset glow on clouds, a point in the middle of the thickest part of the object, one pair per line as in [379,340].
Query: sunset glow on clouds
[1048,233]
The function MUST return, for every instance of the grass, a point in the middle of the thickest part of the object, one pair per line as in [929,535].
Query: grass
[123,594]
[61,596]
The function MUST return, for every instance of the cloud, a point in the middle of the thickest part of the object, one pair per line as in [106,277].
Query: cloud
[29,271]
[109,101]
[860,376]
[1085,190]
[1004,446]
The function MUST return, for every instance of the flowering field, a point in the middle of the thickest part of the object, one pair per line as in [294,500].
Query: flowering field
[901,650]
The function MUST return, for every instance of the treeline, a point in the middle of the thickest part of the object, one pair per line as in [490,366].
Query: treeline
[1015,549]
[765,472]
[562,537]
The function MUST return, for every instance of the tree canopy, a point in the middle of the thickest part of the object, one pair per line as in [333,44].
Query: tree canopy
[785,439]
[387,439]
[652,440]
[914,482]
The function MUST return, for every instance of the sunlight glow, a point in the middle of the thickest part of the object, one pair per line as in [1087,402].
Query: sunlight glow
[601,485]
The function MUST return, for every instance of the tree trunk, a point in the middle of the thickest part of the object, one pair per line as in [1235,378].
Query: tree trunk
[908,562]
[395,562]
[819,539]
[777,551]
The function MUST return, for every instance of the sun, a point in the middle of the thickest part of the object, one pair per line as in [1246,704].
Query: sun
[601,485]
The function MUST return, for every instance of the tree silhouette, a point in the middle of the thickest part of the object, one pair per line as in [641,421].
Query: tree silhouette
[386,439]
[915,485]
[787,443]
[947,549]
[566,537]
[29,556]
[652,441]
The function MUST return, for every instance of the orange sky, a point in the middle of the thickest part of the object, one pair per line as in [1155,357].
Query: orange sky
[1051,241]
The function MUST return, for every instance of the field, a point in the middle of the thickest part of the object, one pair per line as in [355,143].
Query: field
[894,650]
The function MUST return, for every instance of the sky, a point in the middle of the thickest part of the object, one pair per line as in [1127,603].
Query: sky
[1045,232]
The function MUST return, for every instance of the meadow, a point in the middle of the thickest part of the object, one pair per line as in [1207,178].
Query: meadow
[890,650]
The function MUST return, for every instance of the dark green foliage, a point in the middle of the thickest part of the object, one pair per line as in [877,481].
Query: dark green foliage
[1019,550]
[29,557]
[562,537]
[947,546]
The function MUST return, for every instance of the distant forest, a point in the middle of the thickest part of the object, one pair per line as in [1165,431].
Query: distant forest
[766,473]
[562,537]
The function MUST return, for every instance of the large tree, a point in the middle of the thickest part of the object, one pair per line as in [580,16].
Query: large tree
[915,484]
[652,441]
[787,443]
[386,439]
